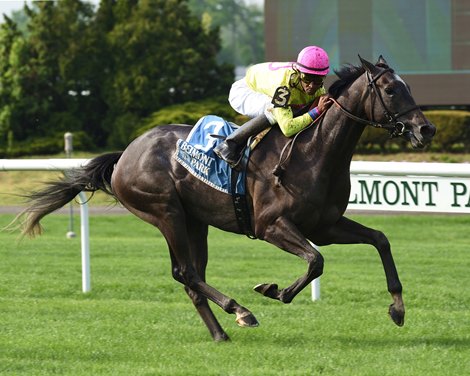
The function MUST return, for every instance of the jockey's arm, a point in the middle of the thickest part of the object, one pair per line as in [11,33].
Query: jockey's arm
[288,124]
[291,125]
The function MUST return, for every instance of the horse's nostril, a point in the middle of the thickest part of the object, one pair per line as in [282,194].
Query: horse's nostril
[428,130]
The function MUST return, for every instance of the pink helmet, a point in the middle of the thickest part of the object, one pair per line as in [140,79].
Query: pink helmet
[313,60]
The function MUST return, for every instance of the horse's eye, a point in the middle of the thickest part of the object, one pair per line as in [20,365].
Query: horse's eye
[389,90]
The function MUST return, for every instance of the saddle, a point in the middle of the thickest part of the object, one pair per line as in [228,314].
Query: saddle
[196,155]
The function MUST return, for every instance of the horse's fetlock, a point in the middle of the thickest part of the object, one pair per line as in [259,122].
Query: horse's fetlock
[229,305]
[285,298]
[395,288]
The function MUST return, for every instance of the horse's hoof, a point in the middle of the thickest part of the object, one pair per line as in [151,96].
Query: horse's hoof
[397,315]
[268,289]
[247,320]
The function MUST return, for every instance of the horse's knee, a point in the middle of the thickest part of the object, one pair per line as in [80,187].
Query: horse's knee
[381,241]
[316,263]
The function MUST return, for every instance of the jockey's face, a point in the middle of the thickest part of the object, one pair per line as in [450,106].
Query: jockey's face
[311,82]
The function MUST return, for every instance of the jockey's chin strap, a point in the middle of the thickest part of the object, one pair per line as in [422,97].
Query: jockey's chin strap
[394,126]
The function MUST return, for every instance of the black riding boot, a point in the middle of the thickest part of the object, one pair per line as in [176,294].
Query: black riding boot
[229,150]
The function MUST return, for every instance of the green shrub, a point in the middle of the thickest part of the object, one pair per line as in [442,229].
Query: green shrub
[453,127]
[190,113]
[453,130]
[453,135]
[46,145]
[373,140]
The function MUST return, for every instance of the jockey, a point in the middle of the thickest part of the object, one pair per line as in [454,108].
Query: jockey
[271,93]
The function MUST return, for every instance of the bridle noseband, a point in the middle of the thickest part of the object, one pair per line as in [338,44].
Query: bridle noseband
[394,126]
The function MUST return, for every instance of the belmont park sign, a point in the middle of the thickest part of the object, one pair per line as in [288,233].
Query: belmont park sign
[416,187]
[379,186]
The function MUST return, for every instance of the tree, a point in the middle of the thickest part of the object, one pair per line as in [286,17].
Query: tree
[161,56]
[102,72]
[241,26]
[49,70]
[8,35]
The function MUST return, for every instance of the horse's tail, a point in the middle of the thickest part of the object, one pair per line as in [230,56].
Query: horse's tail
[94,176]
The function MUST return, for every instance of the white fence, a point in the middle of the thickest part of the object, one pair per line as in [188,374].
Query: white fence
[410,187]
[61,165]
[376,186]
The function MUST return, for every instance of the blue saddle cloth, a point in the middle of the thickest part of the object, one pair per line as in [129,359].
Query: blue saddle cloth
[196,154]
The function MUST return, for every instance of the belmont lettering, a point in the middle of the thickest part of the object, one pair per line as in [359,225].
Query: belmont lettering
[405,193]
[459,190]
[198,160]
[195,153]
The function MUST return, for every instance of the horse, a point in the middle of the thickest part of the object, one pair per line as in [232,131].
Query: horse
[301,203]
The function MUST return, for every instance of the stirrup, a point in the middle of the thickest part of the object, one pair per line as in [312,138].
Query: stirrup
[224,152]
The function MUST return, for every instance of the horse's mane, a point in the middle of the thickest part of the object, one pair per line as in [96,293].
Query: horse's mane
[347,74]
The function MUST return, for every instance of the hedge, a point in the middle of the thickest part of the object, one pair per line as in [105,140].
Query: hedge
[452,135]
[453,131]
[190,113]
[46,146]
[453,127]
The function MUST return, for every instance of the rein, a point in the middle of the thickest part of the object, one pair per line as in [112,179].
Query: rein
[277,171]
[394,126]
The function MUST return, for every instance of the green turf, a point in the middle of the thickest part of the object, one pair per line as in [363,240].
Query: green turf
[138,321]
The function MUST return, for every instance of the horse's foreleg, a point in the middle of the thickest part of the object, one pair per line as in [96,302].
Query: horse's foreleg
[286,236]
[346,231]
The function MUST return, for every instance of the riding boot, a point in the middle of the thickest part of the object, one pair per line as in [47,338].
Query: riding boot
[229,150]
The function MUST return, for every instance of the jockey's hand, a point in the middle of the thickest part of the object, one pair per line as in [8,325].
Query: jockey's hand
[314,103]
[324,103]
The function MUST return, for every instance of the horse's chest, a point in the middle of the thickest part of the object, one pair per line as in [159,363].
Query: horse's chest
[323,204]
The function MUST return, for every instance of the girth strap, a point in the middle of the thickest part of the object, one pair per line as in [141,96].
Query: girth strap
[240,204]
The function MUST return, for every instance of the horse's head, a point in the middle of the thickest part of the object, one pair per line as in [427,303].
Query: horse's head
[391,105]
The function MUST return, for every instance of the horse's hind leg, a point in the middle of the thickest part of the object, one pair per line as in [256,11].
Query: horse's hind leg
[347,231]
[197,233]
[174,228]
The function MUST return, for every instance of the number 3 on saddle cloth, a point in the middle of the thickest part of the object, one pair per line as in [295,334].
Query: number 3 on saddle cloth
[196,155]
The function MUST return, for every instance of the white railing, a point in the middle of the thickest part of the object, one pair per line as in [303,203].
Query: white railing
[384,186]
[61,165]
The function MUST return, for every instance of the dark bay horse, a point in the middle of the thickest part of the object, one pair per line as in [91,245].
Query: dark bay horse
[308,204]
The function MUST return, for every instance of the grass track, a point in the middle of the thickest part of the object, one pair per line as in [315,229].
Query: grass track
[138,321]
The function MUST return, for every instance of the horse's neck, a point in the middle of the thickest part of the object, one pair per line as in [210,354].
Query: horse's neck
[334,139]
[337,135]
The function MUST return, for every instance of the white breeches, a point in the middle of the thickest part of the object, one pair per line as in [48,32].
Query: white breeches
[248,102]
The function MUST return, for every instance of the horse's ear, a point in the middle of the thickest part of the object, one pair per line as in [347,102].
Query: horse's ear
[382,62]
[369,67]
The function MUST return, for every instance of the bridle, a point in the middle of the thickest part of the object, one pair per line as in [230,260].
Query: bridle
[394,126]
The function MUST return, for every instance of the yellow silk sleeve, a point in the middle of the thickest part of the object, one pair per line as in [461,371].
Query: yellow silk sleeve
[288,124]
